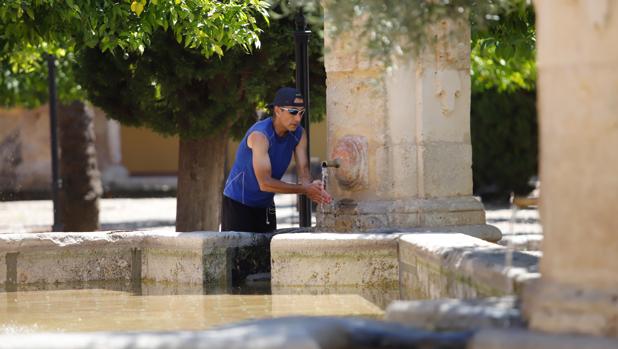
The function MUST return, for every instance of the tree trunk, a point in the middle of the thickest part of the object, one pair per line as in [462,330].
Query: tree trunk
[200,183]
[81,180]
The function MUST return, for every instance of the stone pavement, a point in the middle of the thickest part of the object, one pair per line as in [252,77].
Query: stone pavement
[118,214]
[521,228]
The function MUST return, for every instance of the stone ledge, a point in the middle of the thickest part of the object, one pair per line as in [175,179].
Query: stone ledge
[459,266]
[456,314]
[280,333]
[481,231]
[521,339]
[196,257]
[350,216]
[206,239]
[330,259]
[47,241]
[319,243]
[556,307]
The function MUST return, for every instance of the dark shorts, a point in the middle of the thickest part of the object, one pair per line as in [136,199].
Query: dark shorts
[238,217]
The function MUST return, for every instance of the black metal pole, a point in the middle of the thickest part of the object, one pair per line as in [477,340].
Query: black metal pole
[301,40]
[53,125]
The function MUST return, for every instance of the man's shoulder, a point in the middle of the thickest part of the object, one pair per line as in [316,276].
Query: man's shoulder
[298,133]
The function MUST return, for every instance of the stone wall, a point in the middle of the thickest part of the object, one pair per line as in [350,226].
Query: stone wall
[25,156]
[421,265]
[201,258]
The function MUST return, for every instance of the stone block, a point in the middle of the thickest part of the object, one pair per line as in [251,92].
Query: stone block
[577,32]
[396,171]
[355,105]
[456,314]
[184,265]
[402,99]
[446,169]
[205,258]
[329,259]
[555,307]
[522,339]
[200,257]
[438,265]
[448,218]
[443,114]
[49,258]
[282,333]
[347,53]
[451,48]
[456,214]
[73,264]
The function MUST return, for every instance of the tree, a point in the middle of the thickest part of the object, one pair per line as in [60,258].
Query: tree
[173,89]
[31,28]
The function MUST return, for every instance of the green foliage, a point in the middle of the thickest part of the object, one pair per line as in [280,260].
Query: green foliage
[173,89]
[394,26]
[24,77]
[503,53]
[205,25]
[503,34]
[504,142]
[31,28]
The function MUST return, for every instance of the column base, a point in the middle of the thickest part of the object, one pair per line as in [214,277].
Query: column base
[351,216]
[561,308]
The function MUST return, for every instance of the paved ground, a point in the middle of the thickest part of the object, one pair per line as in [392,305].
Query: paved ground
[520,227]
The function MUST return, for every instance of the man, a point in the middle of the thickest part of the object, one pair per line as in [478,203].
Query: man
[261,160]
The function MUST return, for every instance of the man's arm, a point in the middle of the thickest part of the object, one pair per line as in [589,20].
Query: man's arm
[258,143]
[302,163]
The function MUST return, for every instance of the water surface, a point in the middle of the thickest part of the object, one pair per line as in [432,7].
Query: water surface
[99,309]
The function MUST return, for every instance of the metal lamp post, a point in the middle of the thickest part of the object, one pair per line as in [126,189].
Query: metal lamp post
[301,40]
[56,181]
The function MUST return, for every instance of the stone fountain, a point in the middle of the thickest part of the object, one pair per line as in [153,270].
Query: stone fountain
[402,138]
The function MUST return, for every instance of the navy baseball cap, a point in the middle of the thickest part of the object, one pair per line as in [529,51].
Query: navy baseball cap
[287,96]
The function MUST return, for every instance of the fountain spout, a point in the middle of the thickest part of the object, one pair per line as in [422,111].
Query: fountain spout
[331,163]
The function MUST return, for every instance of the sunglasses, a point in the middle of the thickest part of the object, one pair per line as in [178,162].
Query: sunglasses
[294,111]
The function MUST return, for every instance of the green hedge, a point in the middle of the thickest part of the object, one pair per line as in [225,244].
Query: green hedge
[504,143]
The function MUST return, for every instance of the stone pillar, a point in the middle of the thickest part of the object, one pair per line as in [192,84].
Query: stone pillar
[402,136]
[578,84]
[115,171]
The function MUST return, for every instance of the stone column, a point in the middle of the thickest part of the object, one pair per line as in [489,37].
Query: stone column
[115,171]
[578,106]
[402,136]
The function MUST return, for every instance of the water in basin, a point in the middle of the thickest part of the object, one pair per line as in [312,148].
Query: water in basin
[118,309]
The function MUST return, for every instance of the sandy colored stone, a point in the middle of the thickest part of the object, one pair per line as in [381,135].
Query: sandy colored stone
[446,169]
[578,117]
[51,241]
[176,265]
[73,264]
[435,265]
[521,339]
[415,118]
[444,105]
[457,314]
[351,216]
[397,164]
[282,333]
[334,259]
[201,258]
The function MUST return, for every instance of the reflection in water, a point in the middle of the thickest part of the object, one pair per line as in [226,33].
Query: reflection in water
[116,310]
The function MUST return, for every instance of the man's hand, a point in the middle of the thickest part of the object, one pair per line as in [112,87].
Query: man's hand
[315,191]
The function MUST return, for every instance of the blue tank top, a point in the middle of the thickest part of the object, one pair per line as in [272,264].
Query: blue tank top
[241,184]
